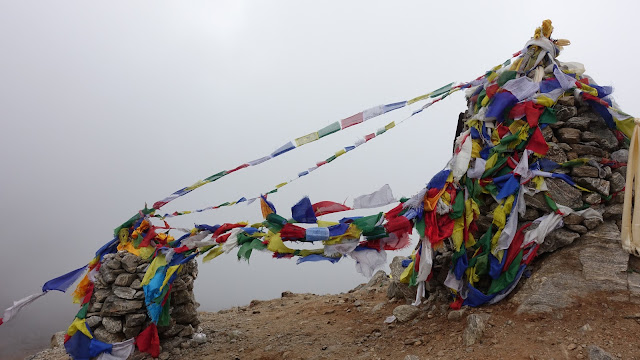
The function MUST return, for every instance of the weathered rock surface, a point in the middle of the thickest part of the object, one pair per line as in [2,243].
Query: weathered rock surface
[593,262]
[563,193]
[404,313]
[117,309]
[396,289]
[476,325]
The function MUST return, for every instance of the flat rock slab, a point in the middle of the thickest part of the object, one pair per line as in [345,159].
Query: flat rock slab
[594,262]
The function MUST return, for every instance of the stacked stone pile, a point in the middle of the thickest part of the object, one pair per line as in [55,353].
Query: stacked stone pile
[117,309]
[596,261]
[579,133]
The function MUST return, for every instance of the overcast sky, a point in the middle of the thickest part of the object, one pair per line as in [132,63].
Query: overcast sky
[107,105]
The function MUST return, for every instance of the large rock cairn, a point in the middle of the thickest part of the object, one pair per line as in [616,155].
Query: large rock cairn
[117,310]
[584,255]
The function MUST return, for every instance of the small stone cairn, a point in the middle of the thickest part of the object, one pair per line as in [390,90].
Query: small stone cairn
[117,310]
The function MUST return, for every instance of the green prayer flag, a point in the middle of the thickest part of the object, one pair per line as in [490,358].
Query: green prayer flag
[550,202]
[507,277]
[420,226]
[506,76]
[413,279]
[329,129]
[441,90]
[548,116]
[367,223]
[244,238]
[485,240]
[457,206]
[137,241]
[83,311]
[274,222]
[215,177]
[244,252]
[377,232]
[482,264]
[165,318]
[501,161]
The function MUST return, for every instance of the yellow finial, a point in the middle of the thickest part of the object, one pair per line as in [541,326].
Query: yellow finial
[547,28]
[536,34]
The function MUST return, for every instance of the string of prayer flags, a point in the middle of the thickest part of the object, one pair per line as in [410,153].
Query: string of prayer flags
[327,130]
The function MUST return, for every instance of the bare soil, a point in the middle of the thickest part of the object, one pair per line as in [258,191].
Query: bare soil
[351,326]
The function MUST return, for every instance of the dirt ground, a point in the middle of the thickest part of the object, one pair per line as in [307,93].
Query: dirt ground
[351,326]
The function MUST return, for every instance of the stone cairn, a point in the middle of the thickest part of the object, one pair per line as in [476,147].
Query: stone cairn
[579,133]
[117,310]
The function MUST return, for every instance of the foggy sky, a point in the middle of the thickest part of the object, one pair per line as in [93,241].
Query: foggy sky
[107,105]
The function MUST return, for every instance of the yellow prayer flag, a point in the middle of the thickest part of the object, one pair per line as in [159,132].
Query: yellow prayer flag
[158,262]
[281,185]
[212,254]
[277,245]
[167,276]
[340,152]
[544,100]
[458,233]
[390,125]
[406,274]
[128,246]
[79,325]
[485,101]
[476,147]
[626,126]
[322,223]
[516,125]
[147,252]
[416,99]
[307,139]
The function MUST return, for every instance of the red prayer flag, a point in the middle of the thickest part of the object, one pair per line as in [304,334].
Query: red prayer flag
[238,168]
[292,232]
[491,90]
[148,341]
[328,207]
[352,120]
[537,143]
[514,248]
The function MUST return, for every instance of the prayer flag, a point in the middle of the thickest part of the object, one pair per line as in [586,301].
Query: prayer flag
[303,211]
[328,207]
[537,144]
[63,282]
[283,149]
[329,129]
[372,112]
[18,305]
[394,106]
[307,139]
[381,197]
[352,120]
[266,207]
[259,161]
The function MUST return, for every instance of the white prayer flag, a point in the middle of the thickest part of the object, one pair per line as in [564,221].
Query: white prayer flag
[382,197]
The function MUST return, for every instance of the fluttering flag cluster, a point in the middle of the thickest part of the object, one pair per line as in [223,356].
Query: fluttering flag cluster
[498,157]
